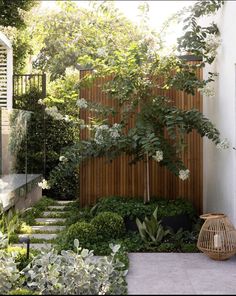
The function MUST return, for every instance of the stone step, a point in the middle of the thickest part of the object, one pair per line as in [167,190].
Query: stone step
[35,246]
[64,202]
[47,213]
[47,228]
[45,236]
[50,220]
[56,207]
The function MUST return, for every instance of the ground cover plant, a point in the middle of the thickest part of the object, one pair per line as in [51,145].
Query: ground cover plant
[91,225]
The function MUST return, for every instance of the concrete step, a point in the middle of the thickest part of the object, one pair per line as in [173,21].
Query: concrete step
[47,213]
[64,202]
[47,221]
[56,207]
[47,228]
[45,236]
[35,246]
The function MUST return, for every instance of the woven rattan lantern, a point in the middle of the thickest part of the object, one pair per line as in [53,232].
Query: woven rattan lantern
[217,238]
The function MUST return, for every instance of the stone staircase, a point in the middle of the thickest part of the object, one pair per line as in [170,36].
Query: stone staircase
[47,226]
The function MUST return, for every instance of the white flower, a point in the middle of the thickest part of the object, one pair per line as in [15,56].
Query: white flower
[224,144]
[184,174]
[82,103]
[41,102]
[53,112]
[103,127]
[44,184]
[114,134]
[63,158]
[207,91]
[101,52]
[212,43]
[67,118]
[158,156]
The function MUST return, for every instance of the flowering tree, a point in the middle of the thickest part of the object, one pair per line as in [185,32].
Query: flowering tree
[159,127]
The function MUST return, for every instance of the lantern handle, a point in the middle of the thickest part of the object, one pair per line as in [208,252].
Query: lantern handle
[212,216]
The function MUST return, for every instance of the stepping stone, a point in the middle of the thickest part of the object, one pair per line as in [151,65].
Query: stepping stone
[47,228]
[46,214]
[50,220]
[35,246]
[56,207]
[65,202]
[45,236]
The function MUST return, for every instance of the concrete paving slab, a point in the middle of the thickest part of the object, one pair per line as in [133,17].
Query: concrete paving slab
[180,273]
[49,220]
[56,207]
[45,236]
[36,246]
[64,202]
[46,228]
[48,213]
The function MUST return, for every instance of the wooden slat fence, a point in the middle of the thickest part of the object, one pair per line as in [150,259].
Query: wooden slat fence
[98,178]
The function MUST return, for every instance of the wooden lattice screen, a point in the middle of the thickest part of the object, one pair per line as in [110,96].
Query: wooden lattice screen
[98,178]
[3,76]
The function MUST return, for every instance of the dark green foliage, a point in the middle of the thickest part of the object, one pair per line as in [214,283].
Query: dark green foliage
[85,232]
[193,39]
[151,230]
[135,208]
[11,12]
[46,139]
[109,225]
[29,216]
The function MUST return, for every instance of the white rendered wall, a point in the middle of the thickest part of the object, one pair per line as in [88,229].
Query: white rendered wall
[219,168]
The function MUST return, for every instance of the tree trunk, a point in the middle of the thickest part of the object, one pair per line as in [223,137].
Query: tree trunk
[146,181]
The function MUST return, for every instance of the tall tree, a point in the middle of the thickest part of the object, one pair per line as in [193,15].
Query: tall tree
[12,12]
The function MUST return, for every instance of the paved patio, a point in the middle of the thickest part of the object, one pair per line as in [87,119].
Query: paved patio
[180,273]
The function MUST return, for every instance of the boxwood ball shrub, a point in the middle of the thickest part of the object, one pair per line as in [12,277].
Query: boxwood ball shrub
[109,225]
[85,232]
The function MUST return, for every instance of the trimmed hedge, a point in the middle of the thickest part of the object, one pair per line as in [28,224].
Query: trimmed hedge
[85,232]
[135,208]
[109,225]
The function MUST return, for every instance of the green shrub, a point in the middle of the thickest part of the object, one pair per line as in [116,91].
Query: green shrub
[109,225]
[21,292]
[9,274]
[79,273]
[135,208]
[85,232]
[151,230]
[29,216]
[20,256]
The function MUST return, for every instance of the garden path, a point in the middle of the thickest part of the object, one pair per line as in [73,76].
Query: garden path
[47,226]
[180,273]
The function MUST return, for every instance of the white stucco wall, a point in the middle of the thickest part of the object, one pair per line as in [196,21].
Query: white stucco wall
[219,168]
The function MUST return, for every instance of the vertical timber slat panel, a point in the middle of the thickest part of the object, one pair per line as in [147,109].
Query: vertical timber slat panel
[99,178]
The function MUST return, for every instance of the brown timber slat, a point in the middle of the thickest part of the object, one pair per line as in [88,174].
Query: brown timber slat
[98,178]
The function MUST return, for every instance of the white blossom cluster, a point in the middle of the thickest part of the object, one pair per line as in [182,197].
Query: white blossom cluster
[44,184]
[101,52]
[224,144]
[41,102]
[82,103]
[103,131]
[62,158]
[212,43]
[158,156]
[53,112]
[207,91]
[184,174]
